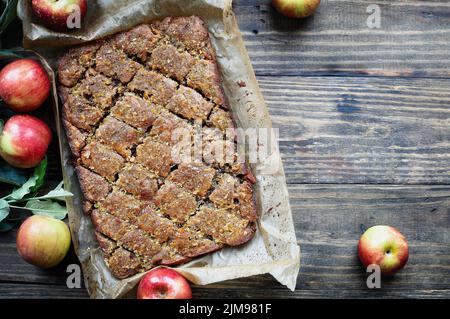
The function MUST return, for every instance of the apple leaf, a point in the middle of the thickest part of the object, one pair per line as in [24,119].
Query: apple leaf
[59,193]
[24,190]
[11,175]
[4,209]
[8,15]
[39,172]
[32,185]
[47,208]
[8,54]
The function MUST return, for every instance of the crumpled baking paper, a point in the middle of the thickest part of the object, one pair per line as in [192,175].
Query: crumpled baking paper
[274,248]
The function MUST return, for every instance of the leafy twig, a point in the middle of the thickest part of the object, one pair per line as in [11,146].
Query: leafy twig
[32,185]
[41,205]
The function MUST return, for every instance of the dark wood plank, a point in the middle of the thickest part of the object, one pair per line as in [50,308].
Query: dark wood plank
[227,290]
[15,269]
[329,220]
[355,129]
[412,40]
[39,291]
[335,130]
[362,130]
[230,293]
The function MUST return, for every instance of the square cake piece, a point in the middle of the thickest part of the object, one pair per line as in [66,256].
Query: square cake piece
[129,102]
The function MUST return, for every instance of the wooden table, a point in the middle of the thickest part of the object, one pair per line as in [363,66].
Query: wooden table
[364,118]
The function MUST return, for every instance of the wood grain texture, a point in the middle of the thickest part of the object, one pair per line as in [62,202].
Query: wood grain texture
[346,130]
[329,220]
[15,269]
[412,40]
[225,291]
[39,291]
[362,130]
[364,134]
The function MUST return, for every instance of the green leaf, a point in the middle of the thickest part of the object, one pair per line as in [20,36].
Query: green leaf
[32,185]
[59,193]
[47,208]
[24,190]
[39,172]
[8,14]
[8,54]
[11,175]
[4,209]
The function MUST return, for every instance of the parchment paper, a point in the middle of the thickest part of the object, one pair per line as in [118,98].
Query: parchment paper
[274,248]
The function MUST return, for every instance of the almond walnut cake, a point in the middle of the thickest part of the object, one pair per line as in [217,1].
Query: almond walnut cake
[123,98]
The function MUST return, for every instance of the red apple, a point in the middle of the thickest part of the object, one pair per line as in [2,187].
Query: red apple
[383,246]
[58,14]
[164,283]
[296,8]
[43,241]
[24,85]
[24,141]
